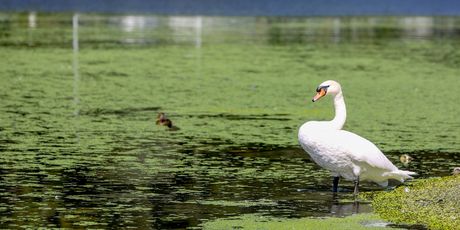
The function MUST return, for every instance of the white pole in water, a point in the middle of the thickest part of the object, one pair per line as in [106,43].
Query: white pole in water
[32,19]
[336,30]
[76,76]
[198,40]
[198,31]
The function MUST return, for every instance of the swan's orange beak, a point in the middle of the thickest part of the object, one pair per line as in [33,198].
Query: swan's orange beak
[319,94]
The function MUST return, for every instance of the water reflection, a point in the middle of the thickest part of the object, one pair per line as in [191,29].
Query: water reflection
[336,30]
[136,23]
[418,26]
[282,30]
[198,30]
[136,28]
[347,209]
[32,19]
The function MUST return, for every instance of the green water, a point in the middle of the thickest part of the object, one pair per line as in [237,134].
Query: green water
[80,148]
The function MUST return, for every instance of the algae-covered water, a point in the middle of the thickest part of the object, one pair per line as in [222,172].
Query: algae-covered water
[79,147]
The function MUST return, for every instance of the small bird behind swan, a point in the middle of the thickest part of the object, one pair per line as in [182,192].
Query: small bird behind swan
[405,159]
[456,171]
[344,153]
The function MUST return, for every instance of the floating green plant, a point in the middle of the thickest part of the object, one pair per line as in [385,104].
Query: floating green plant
[432,202]
[358,222]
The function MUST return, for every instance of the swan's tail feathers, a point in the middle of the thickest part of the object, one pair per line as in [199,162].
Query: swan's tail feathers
[400,175]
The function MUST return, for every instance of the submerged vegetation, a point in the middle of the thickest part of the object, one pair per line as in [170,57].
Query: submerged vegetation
[432,202]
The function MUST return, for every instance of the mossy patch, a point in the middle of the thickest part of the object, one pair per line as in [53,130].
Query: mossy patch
[433,202]
[358,221]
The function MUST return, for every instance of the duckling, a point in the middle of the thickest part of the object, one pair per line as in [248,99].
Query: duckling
[405,159]
[456,171]
[163,120]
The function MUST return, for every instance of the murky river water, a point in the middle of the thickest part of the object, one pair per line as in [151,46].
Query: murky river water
[80,94]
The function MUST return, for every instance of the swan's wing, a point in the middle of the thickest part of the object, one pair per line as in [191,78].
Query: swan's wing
[362,150]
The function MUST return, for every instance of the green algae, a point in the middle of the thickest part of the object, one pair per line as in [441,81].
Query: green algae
[77,152]
[275,99]
[432,202]
[359,221]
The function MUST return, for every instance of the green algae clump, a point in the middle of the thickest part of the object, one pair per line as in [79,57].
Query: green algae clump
[356,222]
[432,202]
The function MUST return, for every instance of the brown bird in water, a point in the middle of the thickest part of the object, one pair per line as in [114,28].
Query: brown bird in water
[163,120]
[405,159]
[456,171]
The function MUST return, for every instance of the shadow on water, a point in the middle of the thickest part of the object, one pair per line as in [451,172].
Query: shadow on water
[119,112]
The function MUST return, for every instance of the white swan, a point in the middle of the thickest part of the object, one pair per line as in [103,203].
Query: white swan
[345,153]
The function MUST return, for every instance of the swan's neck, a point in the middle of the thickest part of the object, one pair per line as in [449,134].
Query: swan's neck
[340,112]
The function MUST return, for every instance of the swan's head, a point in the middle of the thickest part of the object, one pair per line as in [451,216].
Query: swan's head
[328,87]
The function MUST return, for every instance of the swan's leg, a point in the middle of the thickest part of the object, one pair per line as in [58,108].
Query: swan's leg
[335,184]
[356,187]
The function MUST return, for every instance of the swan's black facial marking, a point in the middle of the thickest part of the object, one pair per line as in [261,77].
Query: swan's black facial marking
[322,87]
[320,92]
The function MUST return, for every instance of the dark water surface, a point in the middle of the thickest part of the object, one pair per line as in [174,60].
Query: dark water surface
[80,94]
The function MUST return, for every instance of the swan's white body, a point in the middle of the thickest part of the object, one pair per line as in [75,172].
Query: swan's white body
[344,153]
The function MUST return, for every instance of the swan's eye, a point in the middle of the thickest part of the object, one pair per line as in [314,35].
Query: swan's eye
[322,87]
